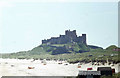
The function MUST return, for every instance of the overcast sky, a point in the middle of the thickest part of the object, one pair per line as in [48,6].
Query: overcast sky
[24,24]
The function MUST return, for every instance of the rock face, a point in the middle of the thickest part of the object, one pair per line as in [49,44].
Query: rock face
[70,36]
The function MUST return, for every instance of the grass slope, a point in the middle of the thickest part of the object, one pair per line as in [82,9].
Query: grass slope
[71,52]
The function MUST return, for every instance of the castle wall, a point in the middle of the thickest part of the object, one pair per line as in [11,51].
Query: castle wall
[78,39]
[43,41]
[54,41]
[70,36]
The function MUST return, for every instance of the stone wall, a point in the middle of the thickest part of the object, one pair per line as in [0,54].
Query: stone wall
[70,36]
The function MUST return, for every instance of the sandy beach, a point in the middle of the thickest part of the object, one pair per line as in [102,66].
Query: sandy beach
[16,67]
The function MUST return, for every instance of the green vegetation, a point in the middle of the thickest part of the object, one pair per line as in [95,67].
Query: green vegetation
[111,47]
[114,76]
[72,52]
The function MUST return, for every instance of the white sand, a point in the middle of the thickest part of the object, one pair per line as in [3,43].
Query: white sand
[21,68]
[51,69]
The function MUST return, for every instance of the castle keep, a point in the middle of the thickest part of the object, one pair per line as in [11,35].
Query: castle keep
[70,36]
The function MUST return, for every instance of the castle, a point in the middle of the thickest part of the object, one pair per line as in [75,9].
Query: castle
[70,36]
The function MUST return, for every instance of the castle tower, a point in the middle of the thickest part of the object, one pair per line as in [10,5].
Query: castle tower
[84,38]
[71,34]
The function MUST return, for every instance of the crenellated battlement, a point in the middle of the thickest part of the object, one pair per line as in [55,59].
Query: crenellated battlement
[70,36]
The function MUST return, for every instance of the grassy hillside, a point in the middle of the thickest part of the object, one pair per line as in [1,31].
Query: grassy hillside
[111,47]
[55,49]
[72,52]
